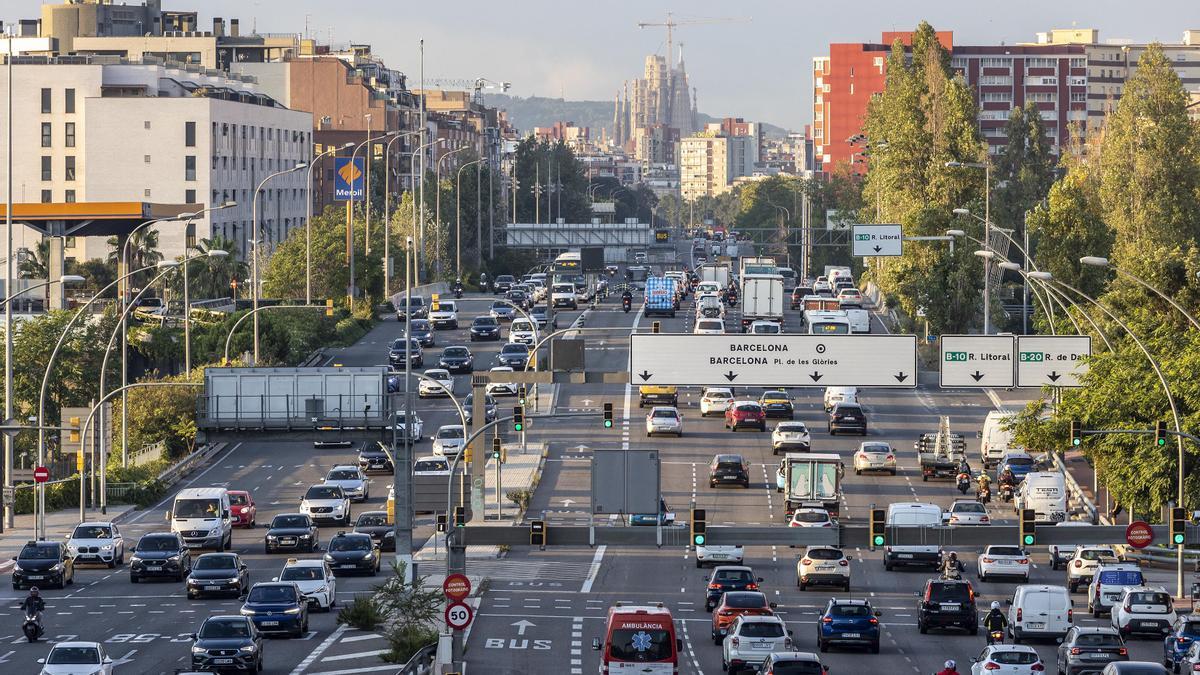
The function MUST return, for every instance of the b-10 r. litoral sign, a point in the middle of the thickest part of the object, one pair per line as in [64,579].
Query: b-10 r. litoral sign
[877,240]
[773,360]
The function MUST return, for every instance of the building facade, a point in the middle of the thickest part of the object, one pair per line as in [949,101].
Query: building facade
[703,166]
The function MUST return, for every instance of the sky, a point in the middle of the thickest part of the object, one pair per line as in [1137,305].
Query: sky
[758,67]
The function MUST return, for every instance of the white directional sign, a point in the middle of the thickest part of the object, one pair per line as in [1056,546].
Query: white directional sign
[878,240]
[977,360]
[774,360]
[1051,360]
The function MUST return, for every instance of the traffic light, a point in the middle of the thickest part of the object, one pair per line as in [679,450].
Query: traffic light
[608,418]
[467,454]
[537,533]
[1178,523]
[521,395]
[519,418]
[878,525]
[656,327]
[328,306]
[73,434]
[699,527]
[1076,433]
[1160,433]
[499,452]
[1028,537]
[460,516]
[441,523]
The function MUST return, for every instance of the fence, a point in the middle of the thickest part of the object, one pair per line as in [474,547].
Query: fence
[421,663]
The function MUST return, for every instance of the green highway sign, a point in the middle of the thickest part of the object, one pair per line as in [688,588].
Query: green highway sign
[955,356]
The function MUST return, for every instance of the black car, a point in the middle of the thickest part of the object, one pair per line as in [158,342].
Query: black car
[503,283]
[847,417]
[417,308]
[729,578]
[292,532]
[489,408]
[947,603]
[485,328]
[777,403]
[160,555]
[397,353]
[227,643]
[422,332]
[218,574]
[457,359]
[728,469]
[353,552]
[518,298]
[514,354]
[375,523]
[538,314]
[277,607]
[43,563]
[372,457]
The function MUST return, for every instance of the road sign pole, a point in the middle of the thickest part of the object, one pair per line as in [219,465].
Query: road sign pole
[456,563]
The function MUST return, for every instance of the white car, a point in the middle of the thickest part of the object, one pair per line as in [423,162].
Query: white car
[1191,660]
[445,316]
[1002,561]
[715,400]
[449,440]
[664,420]
[707,288]
[352,481]
[1143,610]
[790,436]
[765,328]
[523,331]
[874,456]
[726,555]
[751,639]
[1061,555]
[501,388]
[1082,566]
[810,518]
[315,580]
[850,294]
[440,383]
[967,512]
[327,503]
[431,465]
[77,658]
[823,565]
[1008,660]
[835,395]
[402,426]
[97,542]
[822,284]
[709,327]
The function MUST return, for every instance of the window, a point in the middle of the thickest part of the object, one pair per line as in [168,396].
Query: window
[146,193]
[1041,96]
[47,197]
[70,106]
[70,168]
[146,124]
[47,172]
[1078,97]
[989,80]
[995,63]
[45,100]
[189,167]
[70,200]
[189,134]
[145,159]
[70,135]
[189,196]
[1078,63]
[46,135]
[1040,63]
[997,97]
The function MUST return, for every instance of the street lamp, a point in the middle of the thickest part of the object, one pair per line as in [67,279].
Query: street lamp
[387,213]
[350,211]
[419,225]
[987,233]
[308,223]
[1096,261]
[189,233]
[437,217]
[458,217]
[64,280]
[256,240]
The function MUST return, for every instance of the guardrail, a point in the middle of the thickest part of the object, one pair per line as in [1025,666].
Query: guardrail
[421,663]
[1077,499]
[173,473]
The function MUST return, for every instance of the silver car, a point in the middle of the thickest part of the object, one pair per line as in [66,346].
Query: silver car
[449,440]
[874,456]
[664,420]
[751,639]
[352,481]
[968,512]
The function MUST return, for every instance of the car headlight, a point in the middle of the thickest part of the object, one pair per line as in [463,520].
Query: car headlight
[174,559]
[106,547]
[57,568]
[249,649]
[292,610]
[303,536]
[135,558]
[368,555]
[271,537]
[198,650]
[328,558]
[247,612]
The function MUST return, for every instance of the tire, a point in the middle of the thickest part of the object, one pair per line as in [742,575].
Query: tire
[983,577]
[267,549]
[1072,586]
[887,566]
[699,564]
[133,579]
[822,646]
[1016,637]
[922,628]
[857,472]
[111,564]
[716,639]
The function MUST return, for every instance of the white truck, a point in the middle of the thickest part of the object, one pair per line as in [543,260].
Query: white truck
[997,437]
[715,273]
[860,319]
[758,265]
[835,272]
[1046,493]
[762,299]
[812,480]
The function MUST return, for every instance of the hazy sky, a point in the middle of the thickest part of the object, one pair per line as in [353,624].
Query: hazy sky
[760,69]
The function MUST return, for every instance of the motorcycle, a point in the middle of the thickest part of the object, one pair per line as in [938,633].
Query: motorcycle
[32,628]
[1006,492]
[983,495]
[964,483]
[458,291]
[626,304]
[995,637]
[951,573]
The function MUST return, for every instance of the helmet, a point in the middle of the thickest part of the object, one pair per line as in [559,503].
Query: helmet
[953,555]
[995,605]
[949,663]
[33,590]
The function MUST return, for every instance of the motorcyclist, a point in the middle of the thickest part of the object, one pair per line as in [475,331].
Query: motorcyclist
[1007,477]
[994,621]
[949,668]
[483,281]
[34,605]
[952,566]
[985,483]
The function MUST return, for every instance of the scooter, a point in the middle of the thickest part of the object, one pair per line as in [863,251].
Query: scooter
[626,305]
[32,628]
[964,483]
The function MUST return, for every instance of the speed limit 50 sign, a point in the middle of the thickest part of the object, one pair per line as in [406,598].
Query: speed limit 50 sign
[458,615]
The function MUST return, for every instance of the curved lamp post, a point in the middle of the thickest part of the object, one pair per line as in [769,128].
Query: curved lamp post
[1096,261]
[257,241]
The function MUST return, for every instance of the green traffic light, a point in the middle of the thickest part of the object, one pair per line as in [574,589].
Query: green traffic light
[607,424]
[698,540]
[1028,540]
[1075,441]
[1162,441]
[1178,539]
[518,427]
[878,540]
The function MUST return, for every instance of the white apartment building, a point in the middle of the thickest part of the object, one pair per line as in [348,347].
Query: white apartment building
[94,129]
[709,162]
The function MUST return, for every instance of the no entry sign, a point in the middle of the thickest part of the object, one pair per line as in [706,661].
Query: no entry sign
[41,474]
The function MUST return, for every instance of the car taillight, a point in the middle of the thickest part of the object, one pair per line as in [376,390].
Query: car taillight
[873,621]
[844,563]
[714,587]
[1074,651]
[736,641]
[1037,667]
[988,560]
[1123,651]
[805,561]
[1128,606]
[991,665]
[1070,615]
[1019,612]
[1023,561]
[752,587]
[983,519]
[826,619]
[1079,563]
[891,457]
[1182,640]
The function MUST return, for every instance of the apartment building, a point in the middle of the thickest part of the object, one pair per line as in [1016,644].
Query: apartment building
[703,166]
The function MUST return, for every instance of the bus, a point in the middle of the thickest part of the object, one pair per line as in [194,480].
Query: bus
[827,323]
[568,269]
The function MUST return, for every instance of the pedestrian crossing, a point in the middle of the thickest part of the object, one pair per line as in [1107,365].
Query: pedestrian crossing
[529,570]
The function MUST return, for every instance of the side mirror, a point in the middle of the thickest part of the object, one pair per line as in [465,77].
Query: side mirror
[274,578]
[596,644]
[41,660]
[168,516]
[790,632]
[107,659]
[772,605]
[878,613]
[192,636]
[242,567]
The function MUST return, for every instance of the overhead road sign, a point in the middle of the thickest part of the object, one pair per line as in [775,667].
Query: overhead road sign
[349,178]
[976,360]
[877,240]
[774,360]
[1052,360]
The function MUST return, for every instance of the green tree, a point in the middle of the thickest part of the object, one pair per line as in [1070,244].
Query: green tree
[142,249]
[1024,169]
[1069,225]
[284,276]
[161,414]
[545,166]
[209,277]
[36,263]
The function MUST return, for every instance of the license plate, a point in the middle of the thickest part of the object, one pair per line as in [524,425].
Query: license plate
[851,635]
[35,577]
[729,477]
[949,606]
[288,542]
[763,644]
[823,568]
[212,588]
[347,566]
[904,555]
[154,569]
[270,623]
[1035,626]
[849,418]
[223,662]
[1147,624]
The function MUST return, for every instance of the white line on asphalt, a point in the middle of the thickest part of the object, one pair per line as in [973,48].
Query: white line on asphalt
[355,655]
[328,642]
[358,638]
[157,507]
[351,671]
[594,570]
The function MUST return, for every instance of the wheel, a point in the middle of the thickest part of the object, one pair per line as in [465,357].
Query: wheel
[267,549]
[1016,637]
[974,630]
[133,579]
[922,628]
[111,564]
[822,646]
[716,639]
[858,472]
[801,585]
[983,577]
[893,472]
[924,478]
[259,666]
[699,564]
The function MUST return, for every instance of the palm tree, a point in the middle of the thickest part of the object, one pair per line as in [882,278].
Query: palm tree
[210,277]
[142,247]
[36,265]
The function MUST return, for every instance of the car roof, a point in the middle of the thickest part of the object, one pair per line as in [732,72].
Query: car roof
[732,568]
[348,467]
[356,535]
[780,657]
[373,513]
[728,457]
[430,458]
[848,601]
[756,618]
[1109,630]
[75,645]
[303,562]
[1013,648]
[95,523]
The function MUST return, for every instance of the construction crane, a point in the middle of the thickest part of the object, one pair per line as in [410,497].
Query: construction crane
[671,23]
[476,85]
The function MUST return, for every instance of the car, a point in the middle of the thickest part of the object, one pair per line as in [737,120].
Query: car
[242,510]
[967,512]
[790,436]
[97,542]
[514,355]
[729,578]
[664,420]
[1001,560]
[373,457]
[1108,582]
[523,331]
[752,639]
[449,440]
[848,622]
[1191,659]
[715,400]
[277,607]
[503,283]
[76,658]
[499,388]
[422,331]
[1082,566]
[745,414]
[430,465]
[352,481]
[518,298]
[822,284]
[835,395]
[160,554]
[437,382]
[456,359]
[375,523]
[43,563]
[353,552]
[328,503]
[539,314]
[397,353]
[728,469]
[792,663]
[414,431]
[874,456]
[823,565]
[810,517]
[1060,556]
[947,603]
[1184,632]
[415,307]
[777,403]
[314,579]
[763,327]
[1007,660]
[733,604]
[709,554]
[664,516]
[1039,611]
[502,311]
[564,295]
[443,314]
[1143,610]
[709,326]
[657,394]
[291,532]
[1134,668]
[230,642]
[1019,462]
[850,293]
[223,574]
[489,408]
[1086,649]
[485,328]
[847,416]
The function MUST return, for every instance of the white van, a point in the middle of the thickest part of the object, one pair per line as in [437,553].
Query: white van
[995,439]
[200,516]
[522,331]
[1037,610]
[1046,493]
[835,395]
[913,513]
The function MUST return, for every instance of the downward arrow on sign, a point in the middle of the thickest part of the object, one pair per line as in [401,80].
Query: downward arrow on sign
[1054,376]
[816,377]
[977,375]
[878,249]
[645,375]
[900,377]
[731,376]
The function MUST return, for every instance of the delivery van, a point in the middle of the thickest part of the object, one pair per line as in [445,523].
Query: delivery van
[995,438]
[913,513]
[1039,611]
[1046,493]
[201,517]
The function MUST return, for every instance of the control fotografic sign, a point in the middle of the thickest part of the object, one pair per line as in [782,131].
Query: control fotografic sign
[773,360]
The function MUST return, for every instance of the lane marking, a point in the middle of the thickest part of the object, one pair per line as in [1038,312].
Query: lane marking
[157,507]
[316,653]
[594,569]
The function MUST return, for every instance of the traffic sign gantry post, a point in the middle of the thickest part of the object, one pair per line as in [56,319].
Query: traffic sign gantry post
[1139,534]
[976,361]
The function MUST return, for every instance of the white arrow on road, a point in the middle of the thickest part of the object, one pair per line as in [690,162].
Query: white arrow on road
[568,502]
[587,401]
[125,659]
[581,447]
[522,625]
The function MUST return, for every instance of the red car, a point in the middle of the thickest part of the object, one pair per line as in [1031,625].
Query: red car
[745,414]
[242,508]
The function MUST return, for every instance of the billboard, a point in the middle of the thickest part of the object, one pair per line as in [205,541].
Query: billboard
[349,178]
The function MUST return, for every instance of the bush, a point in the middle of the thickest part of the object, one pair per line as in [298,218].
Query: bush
[405,642]
[365,612]
[348,331]
[520,497]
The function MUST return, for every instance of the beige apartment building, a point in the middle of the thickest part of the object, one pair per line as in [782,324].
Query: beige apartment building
[703,166]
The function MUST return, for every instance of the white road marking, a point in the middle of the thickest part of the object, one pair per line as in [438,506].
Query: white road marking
[316,653]
[595,569]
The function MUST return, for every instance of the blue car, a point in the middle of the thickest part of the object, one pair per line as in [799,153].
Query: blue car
[277,608]
[848,622]
[1020,463]
[1184,632]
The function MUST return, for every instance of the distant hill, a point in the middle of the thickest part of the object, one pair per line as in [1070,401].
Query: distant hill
[538,111]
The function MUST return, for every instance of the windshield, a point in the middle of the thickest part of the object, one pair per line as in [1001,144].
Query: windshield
[92,532]
[810,517]
[197,508]
[64,655]
[290,521]
[876,447]
[274,594]
[1020,461]
[969,507]
[302,573]
[350,544]
[748,408]
[216,562]
[521,324]
[499,304]
[420,326]
[342,474]
[775,396]
[324,492]
[485,321]
[239,499]
[514,349]
[450,432]
[1014,658]
[711,325]
[664,413]
[398,345]
[761,629]
[850,610]
[1158,599]
[641,645]
[1097,553]
[717,395]
[158,544]
[1005,550]
[1190,628]
[943,592]
[371,520]
[797,668]
[416,301]
[745,600]
[456,352]
[824,554]
[767,328]
[733,575]
[224,628]
[794,427]
[1097,640]
[430,465]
